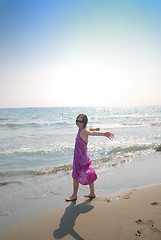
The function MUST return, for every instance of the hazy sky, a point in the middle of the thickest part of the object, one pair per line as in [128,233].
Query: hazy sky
[80,53]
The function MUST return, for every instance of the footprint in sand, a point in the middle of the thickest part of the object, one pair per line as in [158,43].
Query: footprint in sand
[155,203]
[138,234]
[150,225]
[141,222]
[127,196]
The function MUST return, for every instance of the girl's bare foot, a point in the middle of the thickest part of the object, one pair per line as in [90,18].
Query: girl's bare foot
[72,198]
[90,196]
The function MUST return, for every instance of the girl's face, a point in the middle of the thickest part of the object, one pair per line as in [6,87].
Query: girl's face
[79,122]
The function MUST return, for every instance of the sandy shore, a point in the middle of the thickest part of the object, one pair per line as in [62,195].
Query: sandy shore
[128,215]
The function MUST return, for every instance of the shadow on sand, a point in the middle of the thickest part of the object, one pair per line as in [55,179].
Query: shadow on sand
[68,220]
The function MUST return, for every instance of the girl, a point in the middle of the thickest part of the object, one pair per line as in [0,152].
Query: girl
[83,171]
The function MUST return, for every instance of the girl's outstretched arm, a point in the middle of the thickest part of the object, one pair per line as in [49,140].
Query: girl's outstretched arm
[85,132]
[105,134]
[94,129]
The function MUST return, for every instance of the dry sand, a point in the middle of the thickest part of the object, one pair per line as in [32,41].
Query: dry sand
[128,215]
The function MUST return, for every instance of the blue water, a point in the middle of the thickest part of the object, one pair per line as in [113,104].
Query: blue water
[43,138]
[38,142]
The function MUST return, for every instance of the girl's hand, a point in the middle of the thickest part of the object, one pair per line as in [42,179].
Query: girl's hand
[109,135]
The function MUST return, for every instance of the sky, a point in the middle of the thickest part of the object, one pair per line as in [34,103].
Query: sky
[80,53]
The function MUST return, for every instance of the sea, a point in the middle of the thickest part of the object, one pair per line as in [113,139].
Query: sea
[36,149]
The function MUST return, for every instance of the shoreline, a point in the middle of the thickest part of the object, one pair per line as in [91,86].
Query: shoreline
[50,191]
[128,214]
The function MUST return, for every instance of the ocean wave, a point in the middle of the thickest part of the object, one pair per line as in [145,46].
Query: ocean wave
[3,119]
[63,123]
[15,125]
[34,172]
[64,168]
[129,149]
[122,125]
[68,124]
[25,150]
[33,124]
[119,126]
[115,116]
[68,148]
[113,158]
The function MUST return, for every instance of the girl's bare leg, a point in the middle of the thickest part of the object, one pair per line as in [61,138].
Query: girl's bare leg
[75,190]
[92,194]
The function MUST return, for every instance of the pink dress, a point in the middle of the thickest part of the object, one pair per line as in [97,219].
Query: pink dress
[83,171]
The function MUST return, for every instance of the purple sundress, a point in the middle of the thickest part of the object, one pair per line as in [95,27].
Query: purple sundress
[83,171]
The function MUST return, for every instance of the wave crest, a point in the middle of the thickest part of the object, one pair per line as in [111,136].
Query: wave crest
[15,125]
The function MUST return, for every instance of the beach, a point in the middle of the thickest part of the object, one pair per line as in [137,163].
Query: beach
[127,206]
[36,157]
[130,214]
[62,60]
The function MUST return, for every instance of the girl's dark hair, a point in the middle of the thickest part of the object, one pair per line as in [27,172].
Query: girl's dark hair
[84,117]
